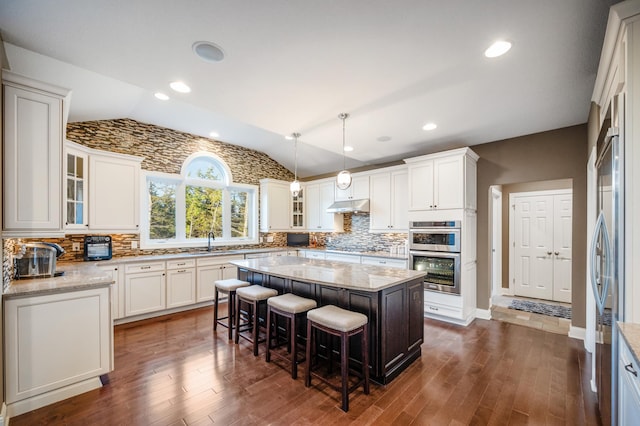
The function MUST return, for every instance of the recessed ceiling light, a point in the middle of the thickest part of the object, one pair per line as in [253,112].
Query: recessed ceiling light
[384,139]
[180,87]
[498,48]
[429,126]
[161,96]
[208,51]
[348,148]
[289,137]
[214,134]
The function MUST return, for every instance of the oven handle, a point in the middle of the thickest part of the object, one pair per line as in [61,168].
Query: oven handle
[434,253]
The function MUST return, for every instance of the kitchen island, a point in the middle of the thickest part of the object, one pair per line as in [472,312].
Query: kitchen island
[391,298]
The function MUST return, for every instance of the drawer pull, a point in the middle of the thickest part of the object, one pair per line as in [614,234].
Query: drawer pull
[630,369]
[180,264]
[433,308]
[145,267]
[181,271]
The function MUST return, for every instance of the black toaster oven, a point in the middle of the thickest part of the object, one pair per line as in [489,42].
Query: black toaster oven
[97,247]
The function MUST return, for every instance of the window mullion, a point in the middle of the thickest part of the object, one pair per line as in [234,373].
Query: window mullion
[181,222]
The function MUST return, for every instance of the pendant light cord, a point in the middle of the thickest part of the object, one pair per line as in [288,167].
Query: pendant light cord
[343,117]
[295,150]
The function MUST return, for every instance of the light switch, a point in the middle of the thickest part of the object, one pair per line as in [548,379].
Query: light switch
[134,244]
[270,239]
[76,247]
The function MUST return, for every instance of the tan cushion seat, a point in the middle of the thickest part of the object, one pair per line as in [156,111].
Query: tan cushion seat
[337,318]
[256,293]
[230,284]
[291,303]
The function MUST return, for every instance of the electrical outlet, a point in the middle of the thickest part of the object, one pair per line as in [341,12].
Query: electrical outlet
[270,239]
[134,244]
[76,247]
[261,239]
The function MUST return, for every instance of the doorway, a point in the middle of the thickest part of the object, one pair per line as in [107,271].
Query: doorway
[540,252]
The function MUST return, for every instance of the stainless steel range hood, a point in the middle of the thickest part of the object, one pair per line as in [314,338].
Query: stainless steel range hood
[349,206]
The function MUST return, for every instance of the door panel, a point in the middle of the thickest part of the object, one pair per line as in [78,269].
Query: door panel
[562,235]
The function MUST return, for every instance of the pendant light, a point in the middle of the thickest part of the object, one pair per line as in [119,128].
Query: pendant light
[294,187]
[343,180]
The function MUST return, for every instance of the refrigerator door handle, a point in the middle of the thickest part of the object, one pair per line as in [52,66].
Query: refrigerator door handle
[603,277]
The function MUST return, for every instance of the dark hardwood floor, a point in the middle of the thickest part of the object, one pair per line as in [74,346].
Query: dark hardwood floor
[177,371]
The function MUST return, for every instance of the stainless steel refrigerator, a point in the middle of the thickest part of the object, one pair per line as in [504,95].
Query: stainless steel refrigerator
[607,271]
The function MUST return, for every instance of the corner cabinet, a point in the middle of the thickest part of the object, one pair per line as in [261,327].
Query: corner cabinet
[33,134]
[443,181]
[388,201]
[319,196]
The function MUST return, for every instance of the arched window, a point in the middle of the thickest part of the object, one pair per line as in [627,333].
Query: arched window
[183,210]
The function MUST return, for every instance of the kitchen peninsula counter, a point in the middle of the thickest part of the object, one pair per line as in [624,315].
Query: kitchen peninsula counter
[392,299]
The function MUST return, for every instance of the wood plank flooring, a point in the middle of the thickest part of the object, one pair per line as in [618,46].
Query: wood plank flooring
[177,371]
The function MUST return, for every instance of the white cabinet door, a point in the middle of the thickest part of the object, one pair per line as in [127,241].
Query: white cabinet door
[319,196]
[358,190]
[448,183]
[380,202]
[399,201]
[211,269]
[421,189]
[181,287]
[145,292]
[327,220]
[313,207]
[55,341]
[275,198]
[115,289]
[32,160]
[628,386]
[114,193]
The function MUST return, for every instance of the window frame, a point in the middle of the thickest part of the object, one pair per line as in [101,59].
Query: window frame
[181,181]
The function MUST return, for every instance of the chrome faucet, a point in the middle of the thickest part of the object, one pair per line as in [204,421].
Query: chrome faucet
[210,238]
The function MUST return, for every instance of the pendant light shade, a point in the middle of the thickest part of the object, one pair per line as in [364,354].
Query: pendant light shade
[343,180]
[294,187]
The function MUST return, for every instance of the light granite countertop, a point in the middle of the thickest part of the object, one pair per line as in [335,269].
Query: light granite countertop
[333,274]
[631,334]
[77,276]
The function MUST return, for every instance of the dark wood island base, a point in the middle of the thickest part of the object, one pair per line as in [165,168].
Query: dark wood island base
[392,300]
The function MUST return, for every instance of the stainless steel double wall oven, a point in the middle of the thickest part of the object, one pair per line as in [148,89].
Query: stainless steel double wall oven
[434,247]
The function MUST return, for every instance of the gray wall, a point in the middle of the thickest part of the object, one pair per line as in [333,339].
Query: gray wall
[552,155]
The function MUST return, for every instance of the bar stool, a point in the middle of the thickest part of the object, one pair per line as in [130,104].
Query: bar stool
[255,296]
[291,307]
[344,324]
[229,287]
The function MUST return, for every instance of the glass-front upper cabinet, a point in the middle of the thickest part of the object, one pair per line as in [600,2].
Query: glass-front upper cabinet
[76,189]
[297,210]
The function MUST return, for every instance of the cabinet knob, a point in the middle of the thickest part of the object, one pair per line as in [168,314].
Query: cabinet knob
[549,253]
[556,253]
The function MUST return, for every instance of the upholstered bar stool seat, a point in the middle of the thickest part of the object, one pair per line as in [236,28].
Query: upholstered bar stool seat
[291,307]
[254,296]
[344,324]
[229,287]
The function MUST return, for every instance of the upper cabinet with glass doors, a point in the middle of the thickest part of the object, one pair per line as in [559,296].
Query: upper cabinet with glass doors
[101,190]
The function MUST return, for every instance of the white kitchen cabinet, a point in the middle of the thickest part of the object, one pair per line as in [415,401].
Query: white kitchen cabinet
[319,196]
[384,261]
[145,288]
[76,165]
[313,254]
[388,201]
[297,211]
[117,305]
[275,198]
[443,181]
[211,269]
[181,282]
[33,131]
[114,192]
[56,346]
[359,189]
[628,385]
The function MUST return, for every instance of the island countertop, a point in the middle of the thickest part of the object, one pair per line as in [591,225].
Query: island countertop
[333,274]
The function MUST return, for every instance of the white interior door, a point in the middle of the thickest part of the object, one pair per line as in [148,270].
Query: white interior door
[533,246]
[563,213]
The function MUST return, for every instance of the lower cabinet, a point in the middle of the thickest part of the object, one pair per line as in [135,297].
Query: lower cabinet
[117,308]
[383,261]
[145,288]
[56,346]
[628,386]
[211,269]
[181,282]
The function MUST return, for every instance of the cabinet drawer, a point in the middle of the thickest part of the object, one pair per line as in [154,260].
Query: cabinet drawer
[314,255]
[628,364]
[447,311]
[347,258]
[218,260]
[181,263]
[143,267]
[389,263]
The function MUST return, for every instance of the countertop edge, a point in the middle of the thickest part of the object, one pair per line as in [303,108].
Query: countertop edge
[630,332]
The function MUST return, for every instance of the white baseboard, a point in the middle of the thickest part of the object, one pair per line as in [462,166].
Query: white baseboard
[484,314]
[577,332]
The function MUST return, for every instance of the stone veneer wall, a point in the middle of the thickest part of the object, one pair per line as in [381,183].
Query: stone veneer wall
[357,236]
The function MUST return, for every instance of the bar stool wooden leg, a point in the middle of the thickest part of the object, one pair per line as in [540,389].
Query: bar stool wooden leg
[311,341]
[344,369]
[232,312]
[365,357]
[215,311]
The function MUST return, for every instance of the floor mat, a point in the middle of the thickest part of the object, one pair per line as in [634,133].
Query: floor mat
[541,308]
